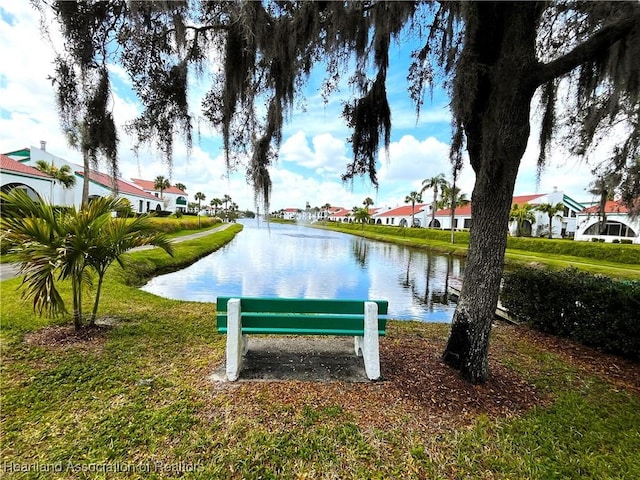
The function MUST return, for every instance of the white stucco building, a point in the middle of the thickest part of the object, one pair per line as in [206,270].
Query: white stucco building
[563,225]
[619,225]
[43,186]
[173,199]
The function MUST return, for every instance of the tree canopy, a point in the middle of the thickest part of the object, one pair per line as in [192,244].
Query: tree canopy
[493,57]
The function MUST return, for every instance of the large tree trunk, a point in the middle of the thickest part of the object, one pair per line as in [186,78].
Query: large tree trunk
[496,124]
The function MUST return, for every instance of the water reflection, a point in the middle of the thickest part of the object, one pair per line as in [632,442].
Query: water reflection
[297,261]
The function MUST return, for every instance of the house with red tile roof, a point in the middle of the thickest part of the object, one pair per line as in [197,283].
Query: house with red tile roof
[340,214]
[563,225]
[290,213]
[402,216]
[14,174]
[173,199]
[103,185]
[618,224]
[100,185]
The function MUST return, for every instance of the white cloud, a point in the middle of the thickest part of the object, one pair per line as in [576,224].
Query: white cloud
[412,160]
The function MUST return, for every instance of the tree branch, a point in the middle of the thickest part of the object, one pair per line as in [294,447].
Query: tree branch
[588,50]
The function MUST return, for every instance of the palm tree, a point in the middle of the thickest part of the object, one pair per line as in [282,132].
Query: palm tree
[226,199]
[436,183]
[361,215]
[161,184]
[551,211]
[36,230]
[200,197]
[604,188]
[413,198]
[115,237]
[521,214]
[215,203]
[181,186]
[448,193]
[63,175]
[52,246]
[232,212]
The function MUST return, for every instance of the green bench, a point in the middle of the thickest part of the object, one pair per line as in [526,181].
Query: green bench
[364,320]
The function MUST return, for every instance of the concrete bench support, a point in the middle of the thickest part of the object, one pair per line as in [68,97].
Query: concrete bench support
[368,345]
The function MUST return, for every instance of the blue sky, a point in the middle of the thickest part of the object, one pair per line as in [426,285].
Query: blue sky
[314,150]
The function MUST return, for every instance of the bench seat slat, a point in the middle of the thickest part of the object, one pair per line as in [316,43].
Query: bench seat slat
[301,305]
[269,323]
[299,331]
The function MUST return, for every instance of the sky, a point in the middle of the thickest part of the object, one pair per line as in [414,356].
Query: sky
[314,151]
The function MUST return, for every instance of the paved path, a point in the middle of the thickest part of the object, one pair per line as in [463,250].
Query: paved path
[11,270]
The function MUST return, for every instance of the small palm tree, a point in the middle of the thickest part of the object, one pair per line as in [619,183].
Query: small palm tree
[161,184]
[521,214]
[36,231]
[413,198]
[52,246]
[436,183]
[181,186]
[551,211]
[115,237]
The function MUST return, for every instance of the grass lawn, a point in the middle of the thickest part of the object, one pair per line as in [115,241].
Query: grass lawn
[133,399]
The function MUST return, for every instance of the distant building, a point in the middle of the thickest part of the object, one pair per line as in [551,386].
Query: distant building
[340,214]
[401,216]
[172,198]
[619,225]
[102,185]
[563,225]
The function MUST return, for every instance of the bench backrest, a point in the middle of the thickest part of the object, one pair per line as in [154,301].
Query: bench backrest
[301,316]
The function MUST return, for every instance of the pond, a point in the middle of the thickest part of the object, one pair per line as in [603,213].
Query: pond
[283,260]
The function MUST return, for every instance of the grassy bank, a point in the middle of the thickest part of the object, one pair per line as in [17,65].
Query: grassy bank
[613,260]
[135,396]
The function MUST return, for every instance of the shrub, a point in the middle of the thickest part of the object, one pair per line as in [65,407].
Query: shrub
[596,248]
[591,309]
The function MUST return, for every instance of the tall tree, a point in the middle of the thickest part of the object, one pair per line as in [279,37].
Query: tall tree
[199,197]
[413,198]
[551,211]
[436,183]
[216,203]
[492,56]
[181,186]
[160,183]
